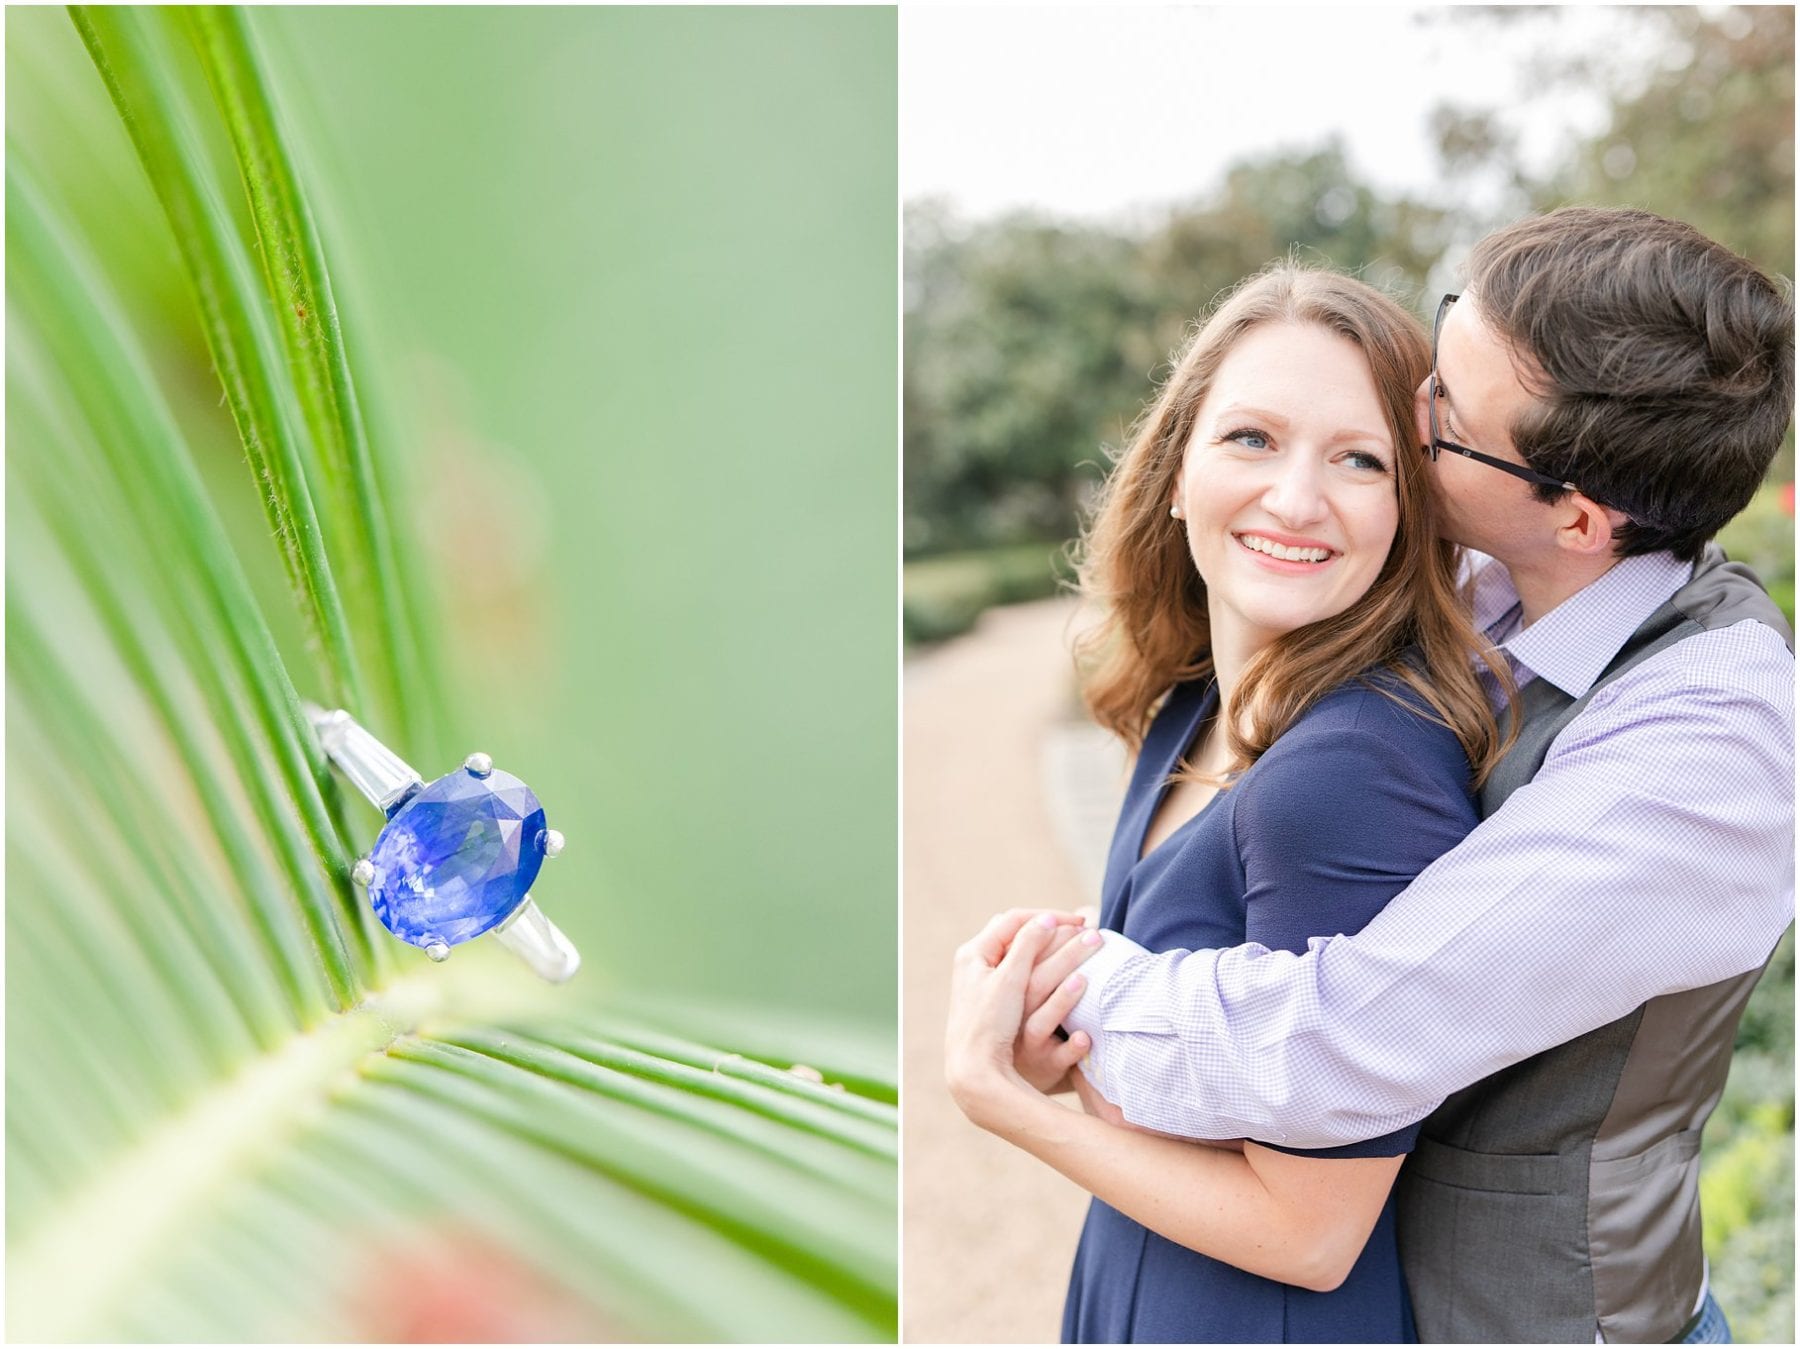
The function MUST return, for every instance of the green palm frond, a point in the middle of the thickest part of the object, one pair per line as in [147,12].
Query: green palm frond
[236,1108]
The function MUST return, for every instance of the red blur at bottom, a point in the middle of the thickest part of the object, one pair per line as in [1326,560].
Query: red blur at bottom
[448,1287]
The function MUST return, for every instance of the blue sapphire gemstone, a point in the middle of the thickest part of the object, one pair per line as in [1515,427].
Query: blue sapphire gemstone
[457,858]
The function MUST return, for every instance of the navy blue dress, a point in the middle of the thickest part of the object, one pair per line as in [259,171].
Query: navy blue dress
[1345,808]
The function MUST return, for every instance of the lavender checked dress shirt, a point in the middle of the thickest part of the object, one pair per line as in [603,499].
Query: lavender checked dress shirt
[1652,853]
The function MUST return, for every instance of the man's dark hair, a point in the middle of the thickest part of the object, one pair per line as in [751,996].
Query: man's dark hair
[1664,365]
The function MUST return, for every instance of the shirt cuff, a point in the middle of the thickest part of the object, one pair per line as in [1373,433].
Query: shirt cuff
[1115,950]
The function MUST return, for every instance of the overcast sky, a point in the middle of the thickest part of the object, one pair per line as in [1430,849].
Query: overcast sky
[1088,111]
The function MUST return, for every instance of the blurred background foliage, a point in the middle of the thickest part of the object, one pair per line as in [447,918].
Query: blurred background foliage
[592,303]
[1031,344]
[616,290]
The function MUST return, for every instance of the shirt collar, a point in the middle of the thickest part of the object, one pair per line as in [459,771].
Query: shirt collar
[1573,643]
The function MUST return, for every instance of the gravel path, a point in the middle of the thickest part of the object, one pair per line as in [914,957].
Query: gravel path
[1007,801]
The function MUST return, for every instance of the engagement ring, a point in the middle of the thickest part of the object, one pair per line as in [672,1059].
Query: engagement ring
[457,857]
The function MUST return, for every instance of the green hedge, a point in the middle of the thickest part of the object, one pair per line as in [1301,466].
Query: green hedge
[1763,537]
[944,595]
[1747,1167]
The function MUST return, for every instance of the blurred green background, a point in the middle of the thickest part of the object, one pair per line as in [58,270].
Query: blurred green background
[1033,340]
[643,262]
[631,272]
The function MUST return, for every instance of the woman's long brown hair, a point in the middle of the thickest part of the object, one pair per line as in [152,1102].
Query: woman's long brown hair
[1133,559]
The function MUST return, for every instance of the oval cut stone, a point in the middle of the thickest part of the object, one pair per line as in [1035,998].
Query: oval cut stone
[457,858]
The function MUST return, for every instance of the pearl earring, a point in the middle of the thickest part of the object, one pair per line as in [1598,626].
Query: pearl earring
[1175,513]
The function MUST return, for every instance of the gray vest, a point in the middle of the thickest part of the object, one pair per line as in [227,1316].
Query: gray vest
[1563,1192]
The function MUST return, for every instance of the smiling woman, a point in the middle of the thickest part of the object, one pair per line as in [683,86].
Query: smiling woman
[1614,385]
[1337,364]
[1291,667]
[1291,506]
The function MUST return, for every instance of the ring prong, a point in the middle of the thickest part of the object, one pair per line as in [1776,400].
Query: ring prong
[479,764]
[363,872]
[551,841]
[438,952]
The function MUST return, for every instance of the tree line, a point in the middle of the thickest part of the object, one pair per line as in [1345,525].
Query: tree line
[1031,343]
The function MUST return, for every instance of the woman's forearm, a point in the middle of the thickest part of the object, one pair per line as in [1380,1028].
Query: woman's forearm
[1300,1221]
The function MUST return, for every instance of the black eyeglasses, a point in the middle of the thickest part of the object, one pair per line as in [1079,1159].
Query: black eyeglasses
[1439,443]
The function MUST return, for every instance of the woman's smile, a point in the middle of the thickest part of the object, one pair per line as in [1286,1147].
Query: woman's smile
[1294,556]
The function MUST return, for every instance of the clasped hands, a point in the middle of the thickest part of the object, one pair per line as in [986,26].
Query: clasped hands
[1011,985]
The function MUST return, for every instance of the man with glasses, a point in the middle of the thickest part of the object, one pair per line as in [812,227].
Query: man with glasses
[1557,996]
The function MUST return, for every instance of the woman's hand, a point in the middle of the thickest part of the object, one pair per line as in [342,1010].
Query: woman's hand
[988,984]
[1043,1058]
[1099,1107]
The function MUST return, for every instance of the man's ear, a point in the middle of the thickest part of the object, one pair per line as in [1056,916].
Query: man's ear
[1588,527]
